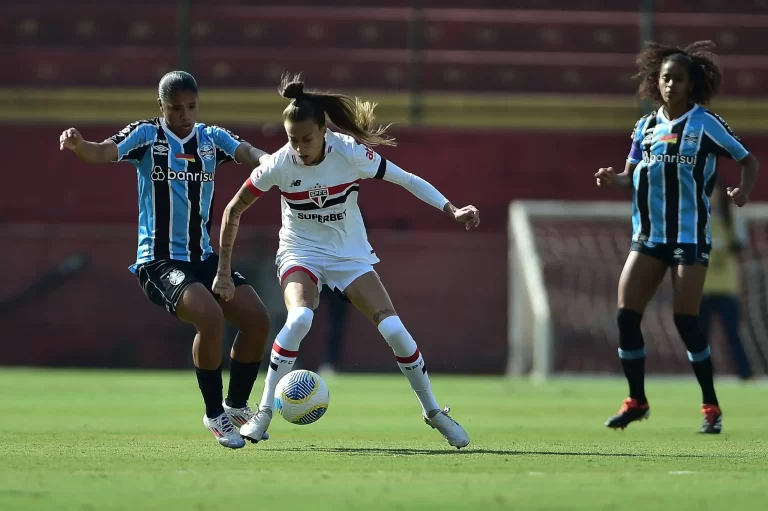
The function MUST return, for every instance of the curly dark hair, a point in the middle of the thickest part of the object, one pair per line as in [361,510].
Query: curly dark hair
[697,57]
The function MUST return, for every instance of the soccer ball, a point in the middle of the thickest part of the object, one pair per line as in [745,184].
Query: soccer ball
[301,397]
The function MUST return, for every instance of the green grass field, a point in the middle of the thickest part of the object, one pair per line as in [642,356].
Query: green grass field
[93,440]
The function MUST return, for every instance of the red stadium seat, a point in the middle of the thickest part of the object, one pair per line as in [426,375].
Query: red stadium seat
[734,34]
[711,6]
[122,67]
[66,26]
[305,28]
[472,50]
[448,29]
[542,72]
[385,28]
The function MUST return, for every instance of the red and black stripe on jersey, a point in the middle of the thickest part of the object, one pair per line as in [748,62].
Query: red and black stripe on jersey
[302,201]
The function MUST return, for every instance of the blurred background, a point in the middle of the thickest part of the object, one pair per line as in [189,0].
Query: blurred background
[492,101]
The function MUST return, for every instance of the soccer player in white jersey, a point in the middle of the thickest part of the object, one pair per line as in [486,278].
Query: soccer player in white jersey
[323,240]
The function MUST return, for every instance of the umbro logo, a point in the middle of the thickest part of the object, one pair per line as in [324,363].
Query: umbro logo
[160,150]
[296,183]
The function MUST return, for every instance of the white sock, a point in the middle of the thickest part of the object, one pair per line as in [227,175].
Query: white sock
[409,360]
[284,351]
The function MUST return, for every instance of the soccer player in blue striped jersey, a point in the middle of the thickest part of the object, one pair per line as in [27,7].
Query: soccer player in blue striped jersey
[176,159]
[672,169]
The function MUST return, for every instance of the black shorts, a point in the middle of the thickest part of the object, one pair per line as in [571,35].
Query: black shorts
[676,254]
[164,280]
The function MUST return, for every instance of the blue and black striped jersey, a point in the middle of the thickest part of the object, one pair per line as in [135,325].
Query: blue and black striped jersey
[176,186]
[676,170]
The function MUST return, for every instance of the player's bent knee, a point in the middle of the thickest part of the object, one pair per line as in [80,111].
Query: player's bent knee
[211,321]
[298,323]
[197,306]
[689,329]
[256,324]
[396,335]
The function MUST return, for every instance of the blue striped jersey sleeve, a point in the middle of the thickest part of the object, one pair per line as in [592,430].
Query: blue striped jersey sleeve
[134,140]
[226,144]
[726,142]
[636,152]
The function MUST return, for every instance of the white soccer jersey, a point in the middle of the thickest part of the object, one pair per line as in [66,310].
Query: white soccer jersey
[320,214]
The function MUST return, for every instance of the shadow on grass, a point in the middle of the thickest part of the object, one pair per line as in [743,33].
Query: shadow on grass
[383,451]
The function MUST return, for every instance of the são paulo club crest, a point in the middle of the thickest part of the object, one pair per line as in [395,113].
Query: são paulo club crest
[318,194]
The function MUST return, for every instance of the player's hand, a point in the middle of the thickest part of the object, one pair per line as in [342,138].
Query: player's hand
[737,196]
[224,287]
[468,215]
[605,176]
[70,139]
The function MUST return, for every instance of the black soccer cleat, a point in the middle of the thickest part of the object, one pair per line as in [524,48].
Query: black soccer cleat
[713,420]
[630,411]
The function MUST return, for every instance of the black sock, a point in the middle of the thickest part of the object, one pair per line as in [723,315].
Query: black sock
[632,352]
[698,354]
[209,381]
[705,374]
[634,370]
[242,376]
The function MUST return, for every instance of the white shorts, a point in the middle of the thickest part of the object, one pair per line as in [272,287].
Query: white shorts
[334,273]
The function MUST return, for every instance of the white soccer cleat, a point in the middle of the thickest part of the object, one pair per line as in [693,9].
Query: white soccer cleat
[224,431]
[450,429]
[256,428]
[240,416]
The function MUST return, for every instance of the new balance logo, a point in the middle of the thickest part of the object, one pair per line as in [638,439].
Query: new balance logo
[296,183]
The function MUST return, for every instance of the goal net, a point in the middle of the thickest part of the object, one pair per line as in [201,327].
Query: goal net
[565,259]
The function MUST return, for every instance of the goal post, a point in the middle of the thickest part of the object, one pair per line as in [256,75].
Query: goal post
[565,258]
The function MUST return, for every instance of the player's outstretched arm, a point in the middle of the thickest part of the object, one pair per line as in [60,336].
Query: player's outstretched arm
[468,215]
[251,156]
[92,152]
[223,285]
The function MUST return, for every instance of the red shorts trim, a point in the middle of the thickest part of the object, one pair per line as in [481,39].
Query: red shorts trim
[294,269]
